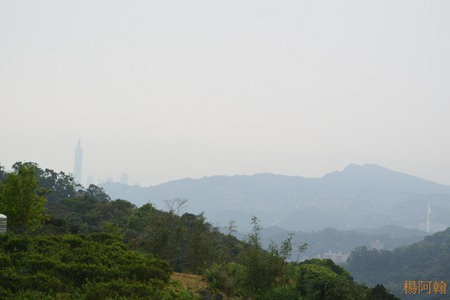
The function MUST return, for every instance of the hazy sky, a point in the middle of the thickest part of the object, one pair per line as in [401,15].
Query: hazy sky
[164,90]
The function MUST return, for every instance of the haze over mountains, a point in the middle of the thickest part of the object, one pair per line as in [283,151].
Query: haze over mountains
[367,196]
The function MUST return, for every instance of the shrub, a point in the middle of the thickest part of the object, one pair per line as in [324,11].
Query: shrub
[230,278]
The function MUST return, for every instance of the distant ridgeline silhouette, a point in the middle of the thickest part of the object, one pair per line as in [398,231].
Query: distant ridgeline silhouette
[365,196]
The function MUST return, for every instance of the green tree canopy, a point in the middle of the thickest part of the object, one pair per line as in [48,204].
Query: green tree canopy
[2,173]
[21,200]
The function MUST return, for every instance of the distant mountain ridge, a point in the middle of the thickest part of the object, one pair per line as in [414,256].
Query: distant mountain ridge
[374,177]
[364,196]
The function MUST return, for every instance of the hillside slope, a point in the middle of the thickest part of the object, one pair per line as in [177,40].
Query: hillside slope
[428,260]
[358,197]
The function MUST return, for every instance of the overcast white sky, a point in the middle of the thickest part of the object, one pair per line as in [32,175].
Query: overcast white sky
[164,90]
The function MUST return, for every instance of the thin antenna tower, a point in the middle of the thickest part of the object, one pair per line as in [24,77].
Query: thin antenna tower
[428,225]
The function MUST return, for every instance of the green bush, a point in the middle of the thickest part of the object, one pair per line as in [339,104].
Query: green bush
[120,288]
[57,266]
[230,278]
[284,292]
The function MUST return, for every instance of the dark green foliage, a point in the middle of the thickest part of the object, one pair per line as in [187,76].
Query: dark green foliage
[317,281]
[313,279]
[284,292]
[188,242]
[230,278]
[264,274]
[197,238]
[428,260]
[69,207]
[379,292]
[121,289]
[322,279]
[20,199]
[264,268]
[96,263]
[59,185]
[153,231]
[86,214]
[2,173]
[329,264]
[97,193]
[56,265]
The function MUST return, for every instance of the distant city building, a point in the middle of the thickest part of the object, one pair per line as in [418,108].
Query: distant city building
[124,179]
[377,245]
[336,257]
[89,181]
[77,175]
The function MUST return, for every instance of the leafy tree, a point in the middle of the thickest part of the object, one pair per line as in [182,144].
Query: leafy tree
[266,269]
[86,214]
[21,200]
[252,257]
[230,278]
[73,215]
[188,242]
[279,255]
[2,173]
[98,193]
[117,212]
[58,186]
[197,242]
[152,231]
[321,279]
[175,206]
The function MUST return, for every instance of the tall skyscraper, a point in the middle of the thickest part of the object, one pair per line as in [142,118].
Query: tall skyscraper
[78,163]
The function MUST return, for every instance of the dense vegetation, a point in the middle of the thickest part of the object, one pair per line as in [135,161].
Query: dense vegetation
[68,242]
[428,260]
[76,266]
[345,241]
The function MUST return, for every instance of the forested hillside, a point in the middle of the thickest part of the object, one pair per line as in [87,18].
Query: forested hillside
[69,242]
[367,196]
[345,241]
[426,262]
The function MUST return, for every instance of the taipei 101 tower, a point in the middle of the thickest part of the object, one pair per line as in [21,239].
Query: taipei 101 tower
[78,162]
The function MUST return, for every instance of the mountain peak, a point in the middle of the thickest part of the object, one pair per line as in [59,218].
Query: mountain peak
[298,202]
[368,167]
[375,177]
